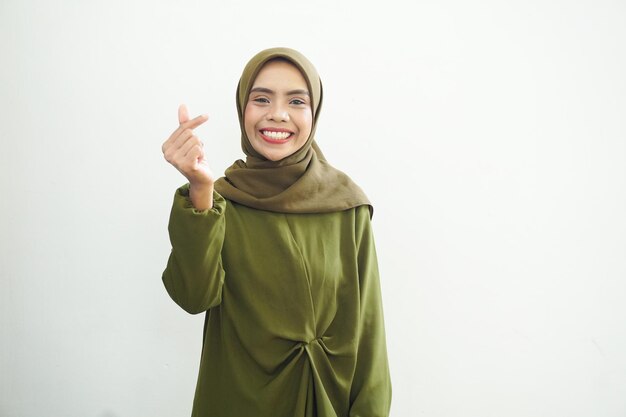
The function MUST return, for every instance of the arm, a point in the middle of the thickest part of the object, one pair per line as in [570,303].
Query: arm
[194,275]
[370,395]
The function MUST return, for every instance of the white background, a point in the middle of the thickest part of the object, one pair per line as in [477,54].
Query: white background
[490,136]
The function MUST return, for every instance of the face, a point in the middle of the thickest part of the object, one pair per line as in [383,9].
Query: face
[278,117]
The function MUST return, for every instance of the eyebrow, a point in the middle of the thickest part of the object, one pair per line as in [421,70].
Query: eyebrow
[268,91]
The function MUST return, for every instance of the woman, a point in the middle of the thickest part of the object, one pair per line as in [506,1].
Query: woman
[280,255]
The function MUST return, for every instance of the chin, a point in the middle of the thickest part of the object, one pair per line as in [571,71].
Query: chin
[275,154]
[271,153]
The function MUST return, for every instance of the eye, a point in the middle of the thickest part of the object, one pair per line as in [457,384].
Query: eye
[261,100]
[297,101]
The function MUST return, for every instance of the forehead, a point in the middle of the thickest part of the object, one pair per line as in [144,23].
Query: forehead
[280,73]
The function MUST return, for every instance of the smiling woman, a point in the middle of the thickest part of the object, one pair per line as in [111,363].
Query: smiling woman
[278,115]
[279,254]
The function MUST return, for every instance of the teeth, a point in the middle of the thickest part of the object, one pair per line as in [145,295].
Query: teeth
[276,135]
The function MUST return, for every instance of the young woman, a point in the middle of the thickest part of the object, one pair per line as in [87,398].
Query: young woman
[280,255]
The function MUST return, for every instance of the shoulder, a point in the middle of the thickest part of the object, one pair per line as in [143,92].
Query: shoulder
[364,214]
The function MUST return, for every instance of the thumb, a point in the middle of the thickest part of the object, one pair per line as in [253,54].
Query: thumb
[183,114]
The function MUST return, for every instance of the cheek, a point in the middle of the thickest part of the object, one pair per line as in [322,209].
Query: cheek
[306,123]
[249,119]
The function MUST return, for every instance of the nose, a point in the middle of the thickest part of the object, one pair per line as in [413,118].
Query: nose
[278,112]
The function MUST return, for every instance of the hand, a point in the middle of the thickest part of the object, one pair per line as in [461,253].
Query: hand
[184,150]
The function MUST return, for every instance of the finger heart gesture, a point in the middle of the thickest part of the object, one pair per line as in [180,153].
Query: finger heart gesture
[184,150]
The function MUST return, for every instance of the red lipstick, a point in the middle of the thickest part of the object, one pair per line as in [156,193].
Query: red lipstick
[274,140]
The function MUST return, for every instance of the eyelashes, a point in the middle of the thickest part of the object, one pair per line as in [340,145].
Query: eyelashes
[264,100]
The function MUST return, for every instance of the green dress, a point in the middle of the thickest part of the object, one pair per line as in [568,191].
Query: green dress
[294,321]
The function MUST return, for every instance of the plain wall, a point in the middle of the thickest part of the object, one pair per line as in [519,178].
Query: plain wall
[490,136]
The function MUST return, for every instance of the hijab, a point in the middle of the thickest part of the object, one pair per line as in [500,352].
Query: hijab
[303,182]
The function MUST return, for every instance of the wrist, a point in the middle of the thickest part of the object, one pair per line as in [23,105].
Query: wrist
[201,195]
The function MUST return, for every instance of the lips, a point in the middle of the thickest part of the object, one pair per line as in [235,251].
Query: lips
[275,135]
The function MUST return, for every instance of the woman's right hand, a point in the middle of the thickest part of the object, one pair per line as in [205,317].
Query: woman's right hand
[185,151]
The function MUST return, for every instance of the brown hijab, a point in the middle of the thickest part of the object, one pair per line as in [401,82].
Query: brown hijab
[303,182]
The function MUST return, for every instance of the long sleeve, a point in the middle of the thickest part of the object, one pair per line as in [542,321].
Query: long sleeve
[194,276]
[370,395]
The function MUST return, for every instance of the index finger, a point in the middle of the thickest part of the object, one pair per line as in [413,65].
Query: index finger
[195,122]
[191,124]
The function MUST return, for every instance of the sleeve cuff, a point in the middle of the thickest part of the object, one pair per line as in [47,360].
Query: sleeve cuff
[184,202]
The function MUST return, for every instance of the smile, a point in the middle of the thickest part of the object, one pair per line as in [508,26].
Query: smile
[275,137]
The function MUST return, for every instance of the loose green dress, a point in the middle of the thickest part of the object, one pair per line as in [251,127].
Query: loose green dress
[294,321]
